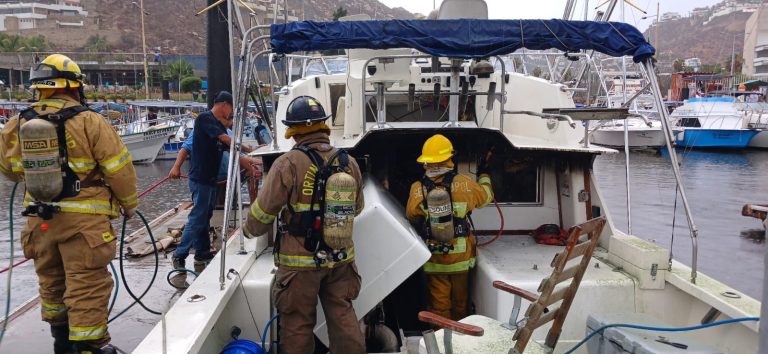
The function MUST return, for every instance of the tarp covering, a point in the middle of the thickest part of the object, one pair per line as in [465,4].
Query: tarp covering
[463,38]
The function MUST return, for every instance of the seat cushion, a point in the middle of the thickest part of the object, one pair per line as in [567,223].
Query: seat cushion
[495,340]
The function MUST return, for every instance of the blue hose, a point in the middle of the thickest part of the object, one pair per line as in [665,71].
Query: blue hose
[661,329]
[10,267]
[266,331]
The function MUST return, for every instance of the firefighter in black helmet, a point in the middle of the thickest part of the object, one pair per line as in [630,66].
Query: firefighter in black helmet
[311,262]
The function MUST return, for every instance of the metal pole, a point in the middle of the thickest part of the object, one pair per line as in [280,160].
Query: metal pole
[764,309]
[651,74]
[144,47]
[234,148]
[453,100]
[658,27]
[626,136]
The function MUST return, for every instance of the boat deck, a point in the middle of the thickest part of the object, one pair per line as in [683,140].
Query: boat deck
[26,330]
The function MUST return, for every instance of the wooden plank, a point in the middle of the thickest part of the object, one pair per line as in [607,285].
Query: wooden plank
[568,273]
[579,250]
[546,318]
[525,294]
[463,328]
[556,296]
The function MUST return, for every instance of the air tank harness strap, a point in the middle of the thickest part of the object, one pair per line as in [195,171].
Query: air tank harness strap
[72,183]
[310,222]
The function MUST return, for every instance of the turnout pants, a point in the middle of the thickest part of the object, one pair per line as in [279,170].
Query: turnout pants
[449,294]
[71,253]
[296,292]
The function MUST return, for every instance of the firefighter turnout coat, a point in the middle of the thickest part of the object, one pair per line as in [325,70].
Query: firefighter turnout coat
[289,182]
[467,195]
[95,151]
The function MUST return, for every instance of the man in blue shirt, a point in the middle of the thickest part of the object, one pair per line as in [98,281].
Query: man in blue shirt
[209,141]
[248,164]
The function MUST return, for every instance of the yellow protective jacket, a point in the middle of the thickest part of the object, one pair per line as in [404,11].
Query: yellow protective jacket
[467,195]
[92,143]
[289,182]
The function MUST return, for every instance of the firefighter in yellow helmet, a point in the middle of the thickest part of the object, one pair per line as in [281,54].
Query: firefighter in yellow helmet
[440,204]
[78,176]
[321,187]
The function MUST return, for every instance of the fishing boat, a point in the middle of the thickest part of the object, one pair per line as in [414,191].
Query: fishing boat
[148,127]
[710,122]
[418,78]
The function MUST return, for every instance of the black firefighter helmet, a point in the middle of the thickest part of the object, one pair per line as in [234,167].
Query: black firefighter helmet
[304,110]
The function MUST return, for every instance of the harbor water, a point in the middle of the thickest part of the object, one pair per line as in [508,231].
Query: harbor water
[718,185]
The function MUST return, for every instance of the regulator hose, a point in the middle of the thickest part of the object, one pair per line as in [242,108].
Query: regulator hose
[661,329]
[10,266]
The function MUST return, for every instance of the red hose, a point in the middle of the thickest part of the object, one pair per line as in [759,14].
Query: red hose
[501,228]
[14,266]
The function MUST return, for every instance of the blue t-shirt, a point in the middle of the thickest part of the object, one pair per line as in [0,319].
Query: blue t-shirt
[206,149]
[189,143]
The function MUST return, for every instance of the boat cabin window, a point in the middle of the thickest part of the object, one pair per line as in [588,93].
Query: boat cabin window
[517,181]
[689,122]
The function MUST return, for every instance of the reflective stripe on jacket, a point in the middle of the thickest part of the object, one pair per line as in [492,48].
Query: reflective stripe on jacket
[94,148]
[289,181]
[467,195]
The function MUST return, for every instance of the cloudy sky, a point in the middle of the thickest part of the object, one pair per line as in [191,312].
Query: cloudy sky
[515,9]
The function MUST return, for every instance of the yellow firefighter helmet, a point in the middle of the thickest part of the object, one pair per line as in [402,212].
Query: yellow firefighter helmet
[436,149]
[56,71]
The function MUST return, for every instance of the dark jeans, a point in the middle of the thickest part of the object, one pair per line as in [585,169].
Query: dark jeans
[199,221]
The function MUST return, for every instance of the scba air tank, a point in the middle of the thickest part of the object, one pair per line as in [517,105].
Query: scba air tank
[440,215]
[41,161]
[340,204]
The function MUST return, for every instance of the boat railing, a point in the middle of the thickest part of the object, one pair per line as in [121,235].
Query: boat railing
[307,65]
[141,126]
[380,92]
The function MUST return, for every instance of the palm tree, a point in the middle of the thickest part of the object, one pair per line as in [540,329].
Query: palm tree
[12,43]
[36,43]
[177,70]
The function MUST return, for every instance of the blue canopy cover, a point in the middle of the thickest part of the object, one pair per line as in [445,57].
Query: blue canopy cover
[463,38]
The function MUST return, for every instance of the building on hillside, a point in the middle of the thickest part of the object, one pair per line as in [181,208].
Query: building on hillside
[669,16]
[19,16]
[756,44]
[693,63]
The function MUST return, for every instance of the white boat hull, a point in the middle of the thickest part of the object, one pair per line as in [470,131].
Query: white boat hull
[760,140]
[145,146]
[638,138]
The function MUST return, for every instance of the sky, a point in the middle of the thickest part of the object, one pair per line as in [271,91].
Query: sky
[525,9]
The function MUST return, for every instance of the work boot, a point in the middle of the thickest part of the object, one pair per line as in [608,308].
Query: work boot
[178,263]
[87,348]
[61,343]
[202,261]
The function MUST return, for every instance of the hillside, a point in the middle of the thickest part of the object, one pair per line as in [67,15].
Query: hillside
[689,37]
[172,26]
